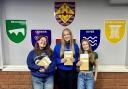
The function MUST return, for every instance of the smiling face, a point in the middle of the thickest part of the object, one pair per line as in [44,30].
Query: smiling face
[67,36]
[42,42]
[85,45]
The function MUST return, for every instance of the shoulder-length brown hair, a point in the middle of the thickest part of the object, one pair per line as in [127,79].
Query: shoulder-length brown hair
[63,43]
[90,52]
[47,48]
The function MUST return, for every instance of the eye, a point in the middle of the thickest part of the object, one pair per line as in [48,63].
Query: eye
[66,34]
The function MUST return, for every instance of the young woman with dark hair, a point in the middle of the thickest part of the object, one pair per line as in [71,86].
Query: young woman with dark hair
[42,76]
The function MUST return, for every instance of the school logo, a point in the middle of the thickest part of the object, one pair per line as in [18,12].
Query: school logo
[92,35]
[36,32]
[16,30]
[65,12]
[115,30]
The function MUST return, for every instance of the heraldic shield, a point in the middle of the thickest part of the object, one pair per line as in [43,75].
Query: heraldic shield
[93,36]
[115,30]
[35,33]
[64,12]
[16,30]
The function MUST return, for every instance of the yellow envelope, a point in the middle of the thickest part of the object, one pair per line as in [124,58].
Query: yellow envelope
[68,55]
[85,62]
[45,61]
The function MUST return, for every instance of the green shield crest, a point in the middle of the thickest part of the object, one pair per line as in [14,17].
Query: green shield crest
[16,30]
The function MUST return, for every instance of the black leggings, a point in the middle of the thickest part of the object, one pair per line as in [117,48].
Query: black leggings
[67,79]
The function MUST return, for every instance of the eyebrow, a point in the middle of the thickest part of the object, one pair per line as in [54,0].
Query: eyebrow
[67,34]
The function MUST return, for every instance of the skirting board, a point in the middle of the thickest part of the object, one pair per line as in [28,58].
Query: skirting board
[101,68]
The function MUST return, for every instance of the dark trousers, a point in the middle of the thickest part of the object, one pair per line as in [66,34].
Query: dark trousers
[67,79]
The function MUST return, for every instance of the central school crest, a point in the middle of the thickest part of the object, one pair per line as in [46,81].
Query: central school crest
[65,12]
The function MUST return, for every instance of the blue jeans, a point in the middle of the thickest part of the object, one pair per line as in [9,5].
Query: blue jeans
[85,80]
[42,83]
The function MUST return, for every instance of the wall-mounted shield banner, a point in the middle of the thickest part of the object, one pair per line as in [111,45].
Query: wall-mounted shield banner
[16,30]
[92,35]
[65,12]
[115,30]
[38,32]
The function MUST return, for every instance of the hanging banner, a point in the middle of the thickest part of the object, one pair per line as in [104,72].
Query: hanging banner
[93,35]
[16,30]
[115,30]
[38,32]
[65,12]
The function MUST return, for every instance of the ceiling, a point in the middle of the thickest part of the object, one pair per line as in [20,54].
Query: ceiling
[120,2]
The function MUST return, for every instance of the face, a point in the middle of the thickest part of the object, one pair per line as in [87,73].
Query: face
[67,36]
[85,45]
[42,42]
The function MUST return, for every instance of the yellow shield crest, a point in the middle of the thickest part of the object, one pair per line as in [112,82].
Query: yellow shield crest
[115,30]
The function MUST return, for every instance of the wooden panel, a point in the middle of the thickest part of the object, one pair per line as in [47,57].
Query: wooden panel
[22,80]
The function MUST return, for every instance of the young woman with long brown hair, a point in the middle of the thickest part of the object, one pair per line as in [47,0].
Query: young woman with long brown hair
[42,76]
[85,77]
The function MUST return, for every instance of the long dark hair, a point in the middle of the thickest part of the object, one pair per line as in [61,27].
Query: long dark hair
[47,48]
[90,52]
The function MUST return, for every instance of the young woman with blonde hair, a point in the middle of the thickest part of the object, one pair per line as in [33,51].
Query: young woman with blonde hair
[66,73]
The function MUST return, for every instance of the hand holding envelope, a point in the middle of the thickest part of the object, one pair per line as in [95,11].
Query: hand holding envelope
[45,61]
[79,63]
[63,60]
[68,55]
[42,70]
[84,64]
[72,59]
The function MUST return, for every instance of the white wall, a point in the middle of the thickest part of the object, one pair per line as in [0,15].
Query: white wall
[1,57]
[0,50]
[90,14]
[126,58]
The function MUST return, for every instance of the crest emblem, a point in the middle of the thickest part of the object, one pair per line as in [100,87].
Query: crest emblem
[35,33]
[65,12]
[93,36]
[115,30]
[16,30]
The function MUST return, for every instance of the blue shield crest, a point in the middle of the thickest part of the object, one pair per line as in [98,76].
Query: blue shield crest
[35,33]
[93,35]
